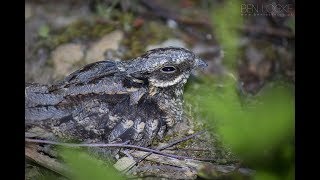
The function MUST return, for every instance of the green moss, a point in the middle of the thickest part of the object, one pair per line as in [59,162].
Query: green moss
[87,30]
[150,33]
[126,20]
[136,39]
[200,121]
[82,30]
[44,31]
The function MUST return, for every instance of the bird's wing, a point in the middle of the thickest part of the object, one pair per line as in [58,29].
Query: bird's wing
[89,74]
[104,77]
[100,78]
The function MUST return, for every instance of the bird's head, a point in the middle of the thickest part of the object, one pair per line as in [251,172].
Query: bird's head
[165,67]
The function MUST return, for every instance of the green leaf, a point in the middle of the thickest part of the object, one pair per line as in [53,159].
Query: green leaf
[86,167]
[44,31]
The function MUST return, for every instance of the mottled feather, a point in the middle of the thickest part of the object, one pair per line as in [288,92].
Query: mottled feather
[111,101]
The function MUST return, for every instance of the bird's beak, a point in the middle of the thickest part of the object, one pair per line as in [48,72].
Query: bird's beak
[199,63]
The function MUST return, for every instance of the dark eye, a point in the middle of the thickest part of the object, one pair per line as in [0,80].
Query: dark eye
[168,69]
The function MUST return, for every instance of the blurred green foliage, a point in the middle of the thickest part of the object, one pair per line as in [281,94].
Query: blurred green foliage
[258,129]
[291,24]
[226,20]
[109,12]
[44,31]
[85,166]
[106,11]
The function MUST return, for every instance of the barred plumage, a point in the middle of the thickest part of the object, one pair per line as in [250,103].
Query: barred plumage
[111,101]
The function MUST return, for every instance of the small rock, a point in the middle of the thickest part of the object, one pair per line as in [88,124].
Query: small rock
[190,131]
[172,24]
[65,57]
[123,163]
[208,36]
[169,42]
[108,42]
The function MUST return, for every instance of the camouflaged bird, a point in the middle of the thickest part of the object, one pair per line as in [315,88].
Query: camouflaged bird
[113,101]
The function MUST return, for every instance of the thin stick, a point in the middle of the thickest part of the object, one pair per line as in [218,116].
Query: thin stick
[187,149]
[119,145]
[163,147]
[268,31]
[180,140]
[47,162]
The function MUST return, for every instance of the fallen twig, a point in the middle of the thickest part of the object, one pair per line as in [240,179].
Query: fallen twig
[191,163]
[163,12]
[180,140]
[46,161]
[165,171]
[268,31]
[119,145]
[187,149]
[162,148]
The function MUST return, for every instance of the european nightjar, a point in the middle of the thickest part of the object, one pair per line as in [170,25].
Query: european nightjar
[113,101]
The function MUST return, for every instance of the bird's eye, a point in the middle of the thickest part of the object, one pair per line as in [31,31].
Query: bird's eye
[168,69]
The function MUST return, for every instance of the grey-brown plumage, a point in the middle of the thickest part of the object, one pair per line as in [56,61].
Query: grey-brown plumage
[111,101]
